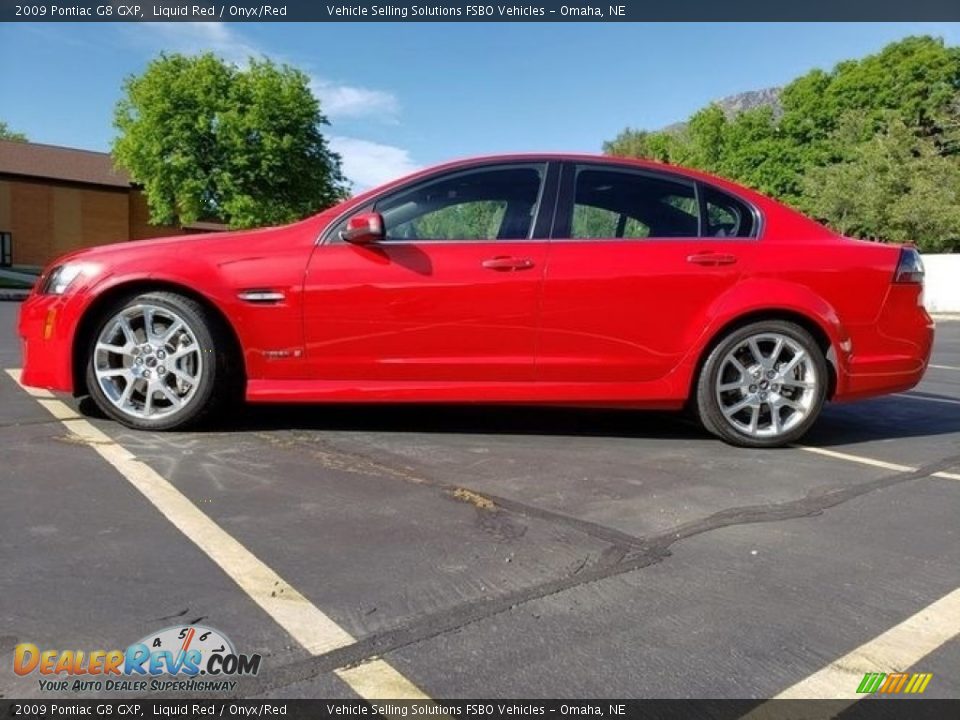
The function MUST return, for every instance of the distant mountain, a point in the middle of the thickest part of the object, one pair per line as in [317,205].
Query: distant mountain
[768,97]
[734,104]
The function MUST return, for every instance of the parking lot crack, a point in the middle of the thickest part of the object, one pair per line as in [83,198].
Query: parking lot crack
[618,559]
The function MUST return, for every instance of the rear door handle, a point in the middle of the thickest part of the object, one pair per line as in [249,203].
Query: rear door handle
[712,259]
[505,263]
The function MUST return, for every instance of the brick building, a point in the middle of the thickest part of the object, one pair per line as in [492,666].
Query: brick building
[56,199]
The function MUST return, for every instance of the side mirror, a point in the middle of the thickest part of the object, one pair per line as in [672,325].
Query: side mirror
[363,229]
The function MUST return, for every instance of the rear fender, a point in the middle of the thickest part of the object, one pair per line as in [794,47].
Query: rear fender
[763,299]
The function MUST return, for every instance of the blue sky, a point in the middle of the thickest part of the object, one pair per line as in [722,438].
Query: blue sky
[401,96]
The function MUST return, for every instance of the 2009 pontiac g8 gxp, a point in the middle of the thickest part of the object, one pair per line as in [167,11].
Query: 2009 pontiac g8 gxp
[520,279]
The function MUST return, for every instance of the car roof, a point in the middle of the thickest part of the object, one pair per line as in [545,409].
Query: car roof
[769,208]
[629,162]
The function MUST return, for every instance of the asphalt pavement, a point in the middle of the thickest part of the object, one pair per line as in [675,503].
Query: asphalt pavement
[491,552]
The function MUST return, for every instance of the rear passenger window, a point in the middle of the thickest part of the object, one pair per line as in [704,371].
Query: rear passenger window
[624,204]
[727,216]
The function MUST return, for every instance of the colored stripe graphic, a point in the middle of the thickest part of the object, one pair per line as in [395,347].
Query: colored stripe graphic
[870,682]
[918,683]
[894,683]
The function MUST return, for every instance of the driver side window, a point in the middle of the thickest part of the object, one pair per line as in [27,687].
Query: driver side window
[497,203]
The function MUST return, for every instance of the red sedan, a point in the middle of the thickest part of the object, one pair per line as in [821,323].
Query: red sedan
[574,280]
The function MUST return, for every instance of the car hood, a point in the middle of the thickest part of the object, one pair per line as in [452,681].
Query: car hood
[204,243]
[172,243]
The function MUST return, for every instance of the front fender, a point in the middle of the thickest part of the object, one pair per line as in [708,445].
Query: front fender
[270,336]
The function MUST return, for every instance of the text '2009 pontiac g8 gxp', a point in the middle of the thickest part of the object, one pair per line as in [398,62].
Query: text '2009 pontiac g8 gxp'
[575,280]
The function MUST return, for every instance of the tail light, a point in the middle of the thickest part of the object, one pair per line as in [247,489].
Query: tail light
[910,267]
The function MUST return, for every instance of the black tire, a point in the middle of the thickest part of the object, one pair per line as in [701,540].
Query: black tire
[708,404]
[218,382]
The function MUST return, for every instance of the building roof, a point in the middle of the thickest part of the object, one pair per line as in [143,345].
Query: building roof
[52,162]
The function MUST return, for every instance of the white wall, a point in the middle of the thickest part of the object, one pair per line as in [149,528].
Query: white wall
[942,290]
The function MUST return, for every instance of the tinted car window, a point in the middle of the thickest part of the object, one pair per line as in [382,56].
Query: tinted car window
[497,203]
[727,216]
[623,204]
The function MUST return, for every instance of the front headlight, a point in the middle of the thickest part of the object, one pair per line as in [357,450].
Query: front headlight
[62,276]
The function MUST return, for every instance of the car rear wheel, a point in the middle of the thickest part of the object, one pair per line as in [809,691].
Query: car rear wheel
[158,361]
[763,385]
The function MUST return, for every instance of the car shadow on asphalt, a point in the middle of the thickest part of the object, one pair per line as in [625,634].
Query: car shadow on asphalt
[887,418]
[880,419]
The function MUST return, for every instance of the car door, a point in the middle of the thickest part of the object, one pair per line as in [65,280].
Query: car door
[629,274]
[450,294]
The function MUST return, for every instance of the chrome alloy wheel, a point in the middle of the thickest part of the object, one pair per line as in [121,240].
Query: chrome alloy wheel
[766,385]
[147,361]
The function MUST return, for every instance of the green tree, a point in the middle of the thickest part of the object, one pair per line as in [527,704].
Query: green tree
[894,186]
[7,134]
[872,147]
[208,139]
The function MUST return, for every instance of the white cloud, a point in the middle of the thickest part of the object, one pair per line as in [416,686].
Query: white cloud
[337,100]
[197,37]
[347,101]
[368,164]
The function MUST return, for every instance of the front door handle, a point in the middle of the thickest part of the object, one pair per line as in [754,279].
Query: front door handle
[712,259]
[506,263]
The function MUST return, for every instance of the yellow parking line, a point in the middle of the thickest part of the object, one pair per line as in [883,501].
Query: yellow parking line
[32,392]
[376,680]
[860,459]
[307,624]
[900,647]
[856,458]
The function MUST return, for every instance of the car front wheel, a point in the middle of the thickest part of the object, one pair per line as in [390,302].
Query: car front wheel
[763,385]
[158,361]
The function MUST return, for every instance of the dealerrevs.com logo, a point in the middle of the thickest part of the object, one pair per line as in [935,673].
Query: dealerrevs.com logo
[182,659]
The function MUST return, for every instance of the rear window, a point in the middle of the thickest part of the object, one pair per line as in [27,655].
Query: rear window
[727,216]
[622,204]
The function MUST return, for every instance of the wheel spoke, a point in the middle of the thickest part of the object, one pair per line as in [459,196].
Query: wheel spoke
[755,350]
[172,330]
[775,418]
[115,372]
[109,348]
[798,383]
[148,314]
[124,324]
[798,357]
[183,351]
[169,394]
[777,349]
[738,385]
[791,404]
[182,376]
[127,393]
[754,419]
[737,407]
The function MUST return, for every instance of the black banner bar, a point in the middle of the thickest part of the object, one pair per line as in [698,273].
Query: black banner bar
[872,709]
[454,11]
